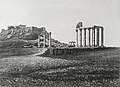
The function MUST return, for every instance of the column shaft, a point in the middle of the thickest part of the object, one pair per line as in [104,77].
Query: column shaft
[38,40]
[97,36]
[84,36]
[76,37]
[80,37]
[93,36]
[44,43]
[89,34]
[102,37]
[50,39]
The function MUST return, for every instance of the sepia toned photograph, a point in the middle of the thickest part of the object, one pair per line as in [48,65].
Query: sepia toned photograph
[59,43]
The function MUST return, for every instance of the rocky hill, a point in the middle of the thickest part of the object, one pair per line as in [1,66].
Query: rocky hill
[22,32]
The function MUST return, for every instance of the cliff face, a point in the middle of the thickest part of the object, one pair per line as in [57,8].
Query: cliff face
[22,32]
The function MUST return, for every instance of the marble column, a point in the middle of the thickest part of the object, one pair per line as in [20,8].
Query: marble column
[50,39]
[97,36]
[85,37]
[102,37]
[44,42]
[80,37]
[38,40]
[93,36]
[76,37]
[89,36]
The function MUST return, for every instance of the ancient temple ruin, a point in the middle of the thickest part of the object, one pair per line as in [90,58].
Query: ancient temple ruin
[89,36]
[85,37]
[44,38]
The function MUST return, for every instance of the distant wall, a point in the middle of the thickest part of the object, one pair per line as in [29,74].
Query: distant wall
[72,51]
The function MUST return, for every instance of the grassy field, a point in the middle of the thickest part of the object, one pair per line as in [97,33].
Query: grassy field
[15,48]
[40,71]
[90,69]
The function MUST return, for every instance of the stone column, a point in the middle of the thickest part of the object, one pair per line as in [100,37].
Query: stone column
[79,25]
[38,40]
[80,37]
[50,39]
[89,35]
[44,42]
[85,37]
[76,37]
[97,36]
[102,37]
[93,36]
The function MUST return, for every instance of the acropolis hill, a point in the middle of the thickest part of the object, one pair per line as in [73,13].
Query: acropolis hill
[22,32]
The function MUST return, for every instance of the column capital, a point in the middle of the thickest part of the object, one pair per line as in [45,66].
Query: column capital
[80,29]
[98,26]
[76,30]
[102,27]
[79,25]
[50,33]
[89,28]
[93,28]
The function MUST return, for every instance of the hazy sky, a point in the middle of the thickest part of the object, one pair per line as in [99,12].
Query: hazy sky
[61,16]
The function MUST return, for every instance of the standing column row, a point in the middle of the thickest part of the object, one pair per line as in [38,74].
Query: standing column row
[42,40]
[93,40]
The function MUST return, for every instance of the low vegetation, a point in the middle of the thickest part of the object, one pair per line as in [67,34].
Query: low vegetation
[20,68]
[15,48]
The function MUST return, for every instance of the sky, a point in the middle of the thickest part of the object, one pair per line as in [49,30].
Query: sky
[61,16]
